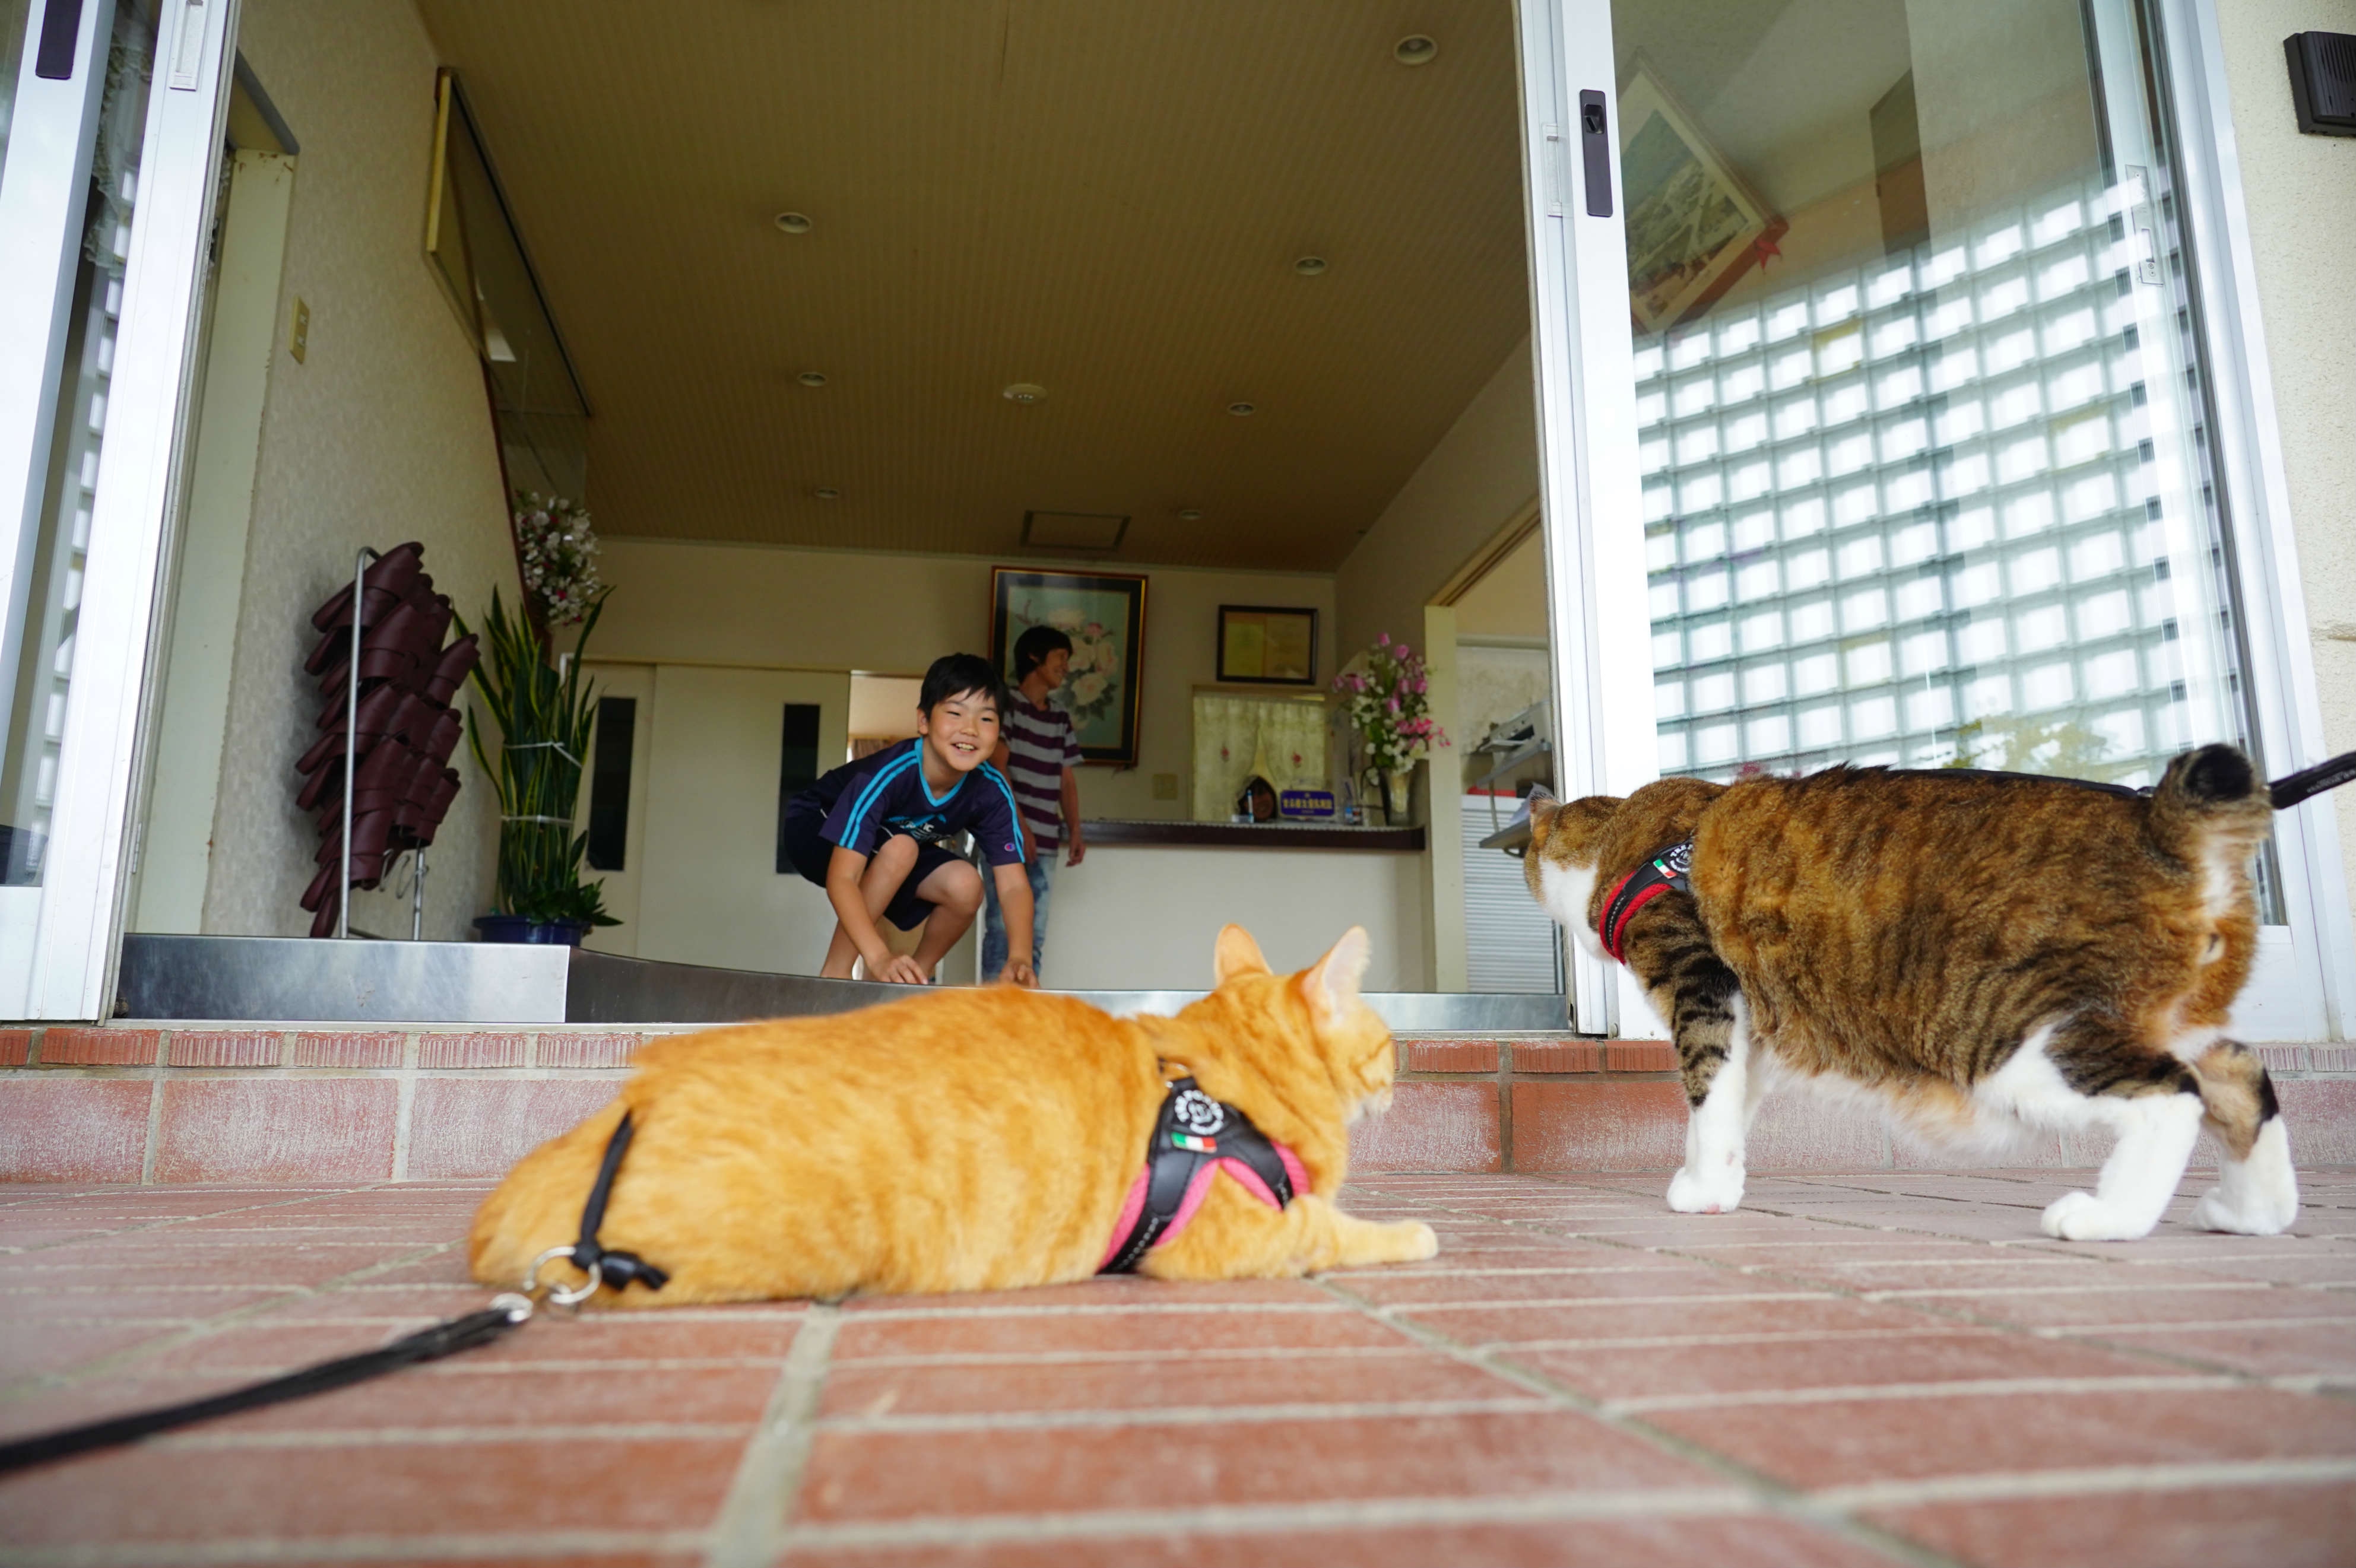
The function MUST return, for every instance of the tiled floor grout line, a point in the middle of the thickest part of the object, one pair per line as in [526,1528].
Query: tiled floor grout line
[115,1362]
[306,1195]
[1229,1520]
[756,1522]
[538,1545]
[1771,1495]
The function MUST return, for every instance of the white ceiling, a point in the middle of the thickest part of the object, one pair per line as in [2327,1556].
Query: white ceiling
[1103,198]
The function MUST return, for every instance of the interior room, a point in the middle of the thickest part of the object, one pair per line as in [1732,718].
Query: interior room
[825,339]
[860,341]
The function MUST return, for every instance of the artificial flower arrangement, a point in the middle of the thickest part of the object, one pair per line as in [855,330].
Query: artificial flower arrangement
[1389,705]
[557,550]
[541,712]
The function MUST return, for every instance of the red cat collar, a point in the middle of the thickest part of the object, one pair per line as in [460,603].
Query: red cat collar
[1662,870]
[1195,1138]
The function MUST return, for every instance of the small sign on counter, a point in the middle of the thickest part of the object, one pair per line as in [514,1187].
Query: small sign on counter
[1306,804]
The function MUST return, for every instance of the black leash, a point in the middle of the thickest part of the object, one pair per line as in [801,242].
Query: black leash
[507,1310]
[619,1269]
[426,1345]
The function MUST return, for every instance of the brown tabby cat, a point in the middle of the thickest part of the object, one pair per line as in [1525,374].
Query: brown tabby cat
[976,1139]
[1985,952]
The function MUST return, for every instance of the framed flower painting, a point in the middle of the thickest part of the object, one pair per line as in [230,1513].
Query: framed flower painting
[1104,614]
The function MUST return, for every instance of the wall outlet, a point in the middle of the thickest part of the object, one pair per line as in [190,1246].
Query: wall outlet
[298,339]
[1165,787]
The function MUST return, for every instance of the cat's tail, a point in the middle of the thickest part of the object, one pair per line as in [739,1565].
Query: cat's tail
[2210,801]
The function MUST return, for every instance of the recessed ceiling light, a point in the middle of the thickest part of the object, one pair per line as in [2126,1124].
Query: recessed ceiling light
[812,378]
[1309,266]
[827,493]
[1189,514]
[793,223]
[1243,411]
[1025,392]
[1415,50]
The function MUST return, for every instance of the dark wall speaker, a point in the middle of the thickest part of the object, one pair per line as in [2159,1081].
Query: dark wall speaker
[2323,81]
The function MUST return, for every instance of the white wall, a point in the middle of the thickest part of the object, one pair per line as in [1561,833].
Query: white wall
[1145,918]
[2301,196]
[842,610]
[382,434]
[175,859]
[1483,473]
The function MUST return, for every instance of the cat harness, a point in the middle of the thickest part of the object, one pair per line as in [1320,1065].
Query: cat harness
[1194,1137]
[1663,870]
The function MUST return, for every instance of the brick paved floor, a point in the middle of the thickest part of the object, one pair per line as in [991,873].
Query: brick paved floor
[1878,1369]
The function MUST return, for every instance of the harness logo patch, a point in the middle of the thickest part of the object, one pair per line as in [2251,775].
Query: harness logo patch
[1678,860]
[1198,1113]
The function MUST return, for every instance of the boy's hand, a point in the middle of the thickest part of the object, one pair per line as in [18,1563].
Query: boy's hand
[1076,848]
[899,970]
[1018,972]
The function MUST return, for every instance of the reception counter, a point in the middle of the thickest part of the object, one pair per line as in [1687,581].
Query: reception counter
[1142,910]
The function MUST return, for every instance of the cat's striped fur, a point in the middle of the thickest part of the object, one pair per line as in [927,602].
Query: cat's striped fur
[1983,952]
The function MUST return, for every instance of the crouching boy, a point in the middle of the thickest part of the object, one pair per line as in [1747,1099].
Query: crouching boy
[870,834]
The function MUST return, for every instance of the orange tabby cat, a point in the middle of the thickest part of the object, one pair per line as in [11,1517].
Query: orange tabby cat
[1983,952]
[975,1139]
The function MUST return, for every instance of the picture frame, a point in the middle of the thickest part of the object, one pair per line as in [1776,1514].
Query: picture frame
[1268,644]
[1694,225]
[1104,614]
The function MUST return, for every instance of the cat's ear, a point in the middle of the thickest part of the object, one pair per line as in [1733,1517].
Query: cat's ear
[1332,986]
[1237,954]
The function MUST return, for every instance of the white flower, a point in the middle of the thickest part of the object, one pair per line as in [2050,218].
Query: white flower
[1087,689]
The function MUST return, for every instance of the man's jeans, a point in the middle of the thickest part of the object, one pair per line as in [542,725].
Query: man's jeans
[993,919]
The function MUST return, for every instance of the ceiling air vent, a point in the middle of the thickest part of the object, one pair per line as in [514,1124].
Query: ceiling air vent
[1094,533]
[2323,81]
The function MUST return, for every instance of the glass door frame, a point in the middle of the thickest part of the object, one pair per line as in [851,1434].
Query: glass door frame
[60,941]
[1591,488]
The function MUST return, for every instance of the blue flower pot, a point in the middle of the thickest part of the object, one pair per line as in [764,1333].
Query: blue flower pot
[521,928]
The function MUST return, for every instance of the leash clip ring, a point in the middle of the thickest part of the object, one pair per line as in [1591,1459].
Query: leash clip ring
[556,1294]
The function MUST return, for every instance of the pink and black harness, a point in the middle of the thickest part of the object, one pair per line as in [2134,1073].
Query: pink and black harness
[1193,1138]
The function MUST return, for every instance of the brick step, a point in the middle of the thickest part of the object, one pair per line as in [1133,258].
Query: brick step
[131,1104]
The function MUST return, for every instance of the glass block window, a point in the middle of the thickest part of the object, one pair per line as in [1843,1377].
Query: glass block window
[1949,505]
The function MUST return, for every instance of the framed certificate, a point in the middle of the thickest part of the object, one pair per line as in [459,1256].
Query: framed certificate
[1263,645]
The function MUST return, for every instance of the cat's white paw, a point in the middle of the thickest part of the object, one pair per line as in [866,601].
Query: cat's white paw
[2258,1197]
[1715,1191]
[2216,1211]
[2083,1217]
[1422,1242]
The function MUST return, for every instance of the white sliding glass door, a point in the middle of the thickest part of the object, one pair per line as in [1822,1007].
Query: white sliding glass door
[112,137]
[1881,417]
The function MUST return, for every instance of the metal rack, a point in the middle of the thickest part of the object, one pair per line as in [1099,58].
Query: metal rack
[1513,742]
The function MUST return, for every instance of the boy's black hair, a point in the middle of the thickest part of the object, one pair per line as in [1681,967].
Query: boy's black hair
[954,674]
[1031,648]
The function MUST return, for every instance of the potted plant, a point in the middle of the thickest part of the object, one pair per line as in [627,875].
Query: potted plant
[542,717]
[1389,705]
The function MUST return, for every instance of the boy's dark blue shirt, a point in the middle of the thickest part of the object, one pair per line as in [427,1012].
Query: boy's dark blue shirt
[865,802]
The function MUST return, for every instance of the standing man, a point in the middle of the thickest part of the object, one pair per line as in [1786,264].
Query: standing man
[1037,751]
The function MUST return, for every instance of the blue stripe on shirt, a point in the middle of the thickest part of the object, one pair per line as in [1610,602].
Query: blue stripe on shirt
[867,796]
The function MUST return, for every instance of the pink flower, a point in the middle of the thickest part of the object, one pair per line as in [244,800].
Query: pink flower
[1400,650]
[1419,684]
[1395,705]
[1382,640]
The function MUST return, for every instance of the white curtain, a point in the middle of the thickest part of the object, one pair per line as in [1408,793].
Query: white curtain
[1287,734]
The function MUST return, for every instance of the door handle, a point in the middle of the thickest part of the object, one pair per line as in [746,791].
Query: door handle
[1595,150]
